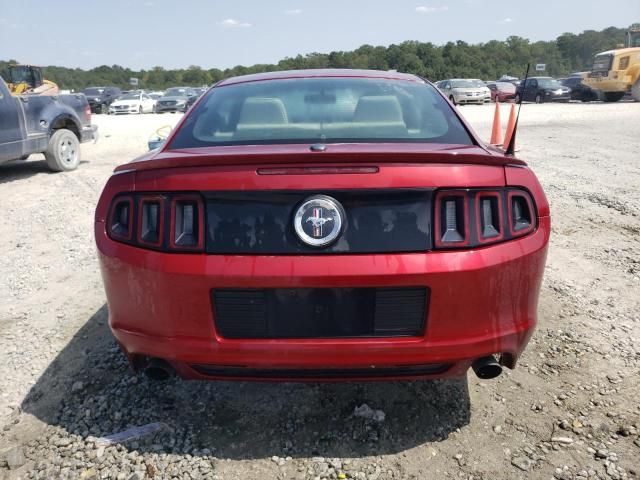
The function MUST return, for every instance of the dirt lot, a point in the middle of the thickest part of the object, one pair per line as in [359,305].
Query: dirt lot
[570,410]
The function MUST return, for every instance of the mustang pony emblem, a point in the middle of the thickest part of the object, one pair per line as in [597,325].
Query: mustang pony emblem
[317,220]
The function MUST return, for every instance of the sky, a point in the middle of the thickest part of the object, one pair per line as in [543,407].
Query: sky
[212,33]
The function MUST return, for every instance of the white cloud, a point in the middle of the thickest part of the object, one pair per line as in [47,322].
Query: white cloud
[425,9]
[231,23]
[506,20]
[293,11]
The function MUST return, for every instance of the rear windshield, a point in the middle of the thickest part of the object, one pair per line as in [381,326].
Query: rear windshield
[321,110]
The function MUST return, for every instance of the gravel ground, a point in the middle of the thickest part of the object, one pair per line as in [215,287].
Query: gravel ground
[571,410]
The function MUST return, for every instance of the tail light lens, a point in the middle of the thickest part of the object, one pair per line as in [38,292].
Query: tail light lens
[187,214]
[472,218]
[452,219]
[166,222]
[521,220]
[121,219]
[87,113]
[490,218]
[151,220]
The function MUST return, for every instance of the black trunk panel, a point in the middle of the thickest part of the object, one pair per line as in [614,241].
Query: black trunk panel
[320,312]
[261,222]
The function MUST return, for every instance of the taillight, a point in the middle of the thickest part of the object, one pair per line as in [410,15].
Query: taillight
[472,218]
[121,218]
[452,219]
[87,113]
[489,217]
[167,222]
[187,215]
[151,220]
[521,220]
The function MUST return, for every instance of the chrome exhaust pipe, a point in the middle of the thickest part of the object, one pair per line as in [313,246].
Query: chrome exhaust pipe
[487,368]
[158,369]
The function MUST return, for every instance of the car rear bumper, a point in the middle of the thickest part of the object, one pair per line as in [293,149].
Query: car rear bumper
[482,302]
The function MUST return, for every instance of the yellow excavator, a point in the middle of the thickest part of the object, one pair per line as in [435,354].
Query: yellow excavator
[27,80]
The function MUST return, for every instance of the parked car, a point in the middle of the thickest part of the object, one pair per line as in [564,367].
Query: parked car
[580,91]
[502,91]
[542,89]
[133,103]
[45,124]
[461,91]
[100,98]
[325,225]
[192,99]
[174,100]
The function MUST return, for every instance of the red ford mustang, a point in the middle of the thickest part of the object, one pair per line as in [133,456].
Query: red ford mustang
[322,225]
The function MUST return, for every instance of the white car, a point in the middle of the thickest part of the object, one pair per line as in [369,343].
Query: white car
[465,90]
[133,103]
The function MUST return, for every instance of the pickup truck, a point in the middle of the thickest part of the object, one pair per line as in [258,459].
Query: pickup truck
[53,125]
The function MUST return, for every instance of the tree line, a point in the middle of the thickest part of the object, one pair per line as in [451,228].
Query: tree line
[488,61]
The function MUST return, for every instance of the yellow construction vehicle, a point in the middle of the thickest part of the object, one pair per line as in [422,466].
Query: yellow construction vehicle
[617,72]
[27,80]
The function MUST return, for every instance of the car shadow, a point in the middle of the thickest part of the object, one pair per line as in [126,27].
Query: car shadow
[22,169]
[237,420]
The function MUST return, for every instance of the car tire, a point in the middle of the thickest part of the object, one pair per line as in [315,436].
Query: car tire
[517,98]
[635,90]
[63,151]
[613,96]
[538,98]
[104,109]
[140,112]
[452,99]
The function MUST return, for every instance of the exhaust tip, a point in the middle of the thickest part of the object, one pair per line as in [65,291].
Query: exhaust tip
[158,370]
[487,368]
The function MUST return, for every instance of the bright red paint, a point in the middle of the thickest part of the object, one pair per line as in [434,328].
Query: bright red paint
[483,300]
[502,91]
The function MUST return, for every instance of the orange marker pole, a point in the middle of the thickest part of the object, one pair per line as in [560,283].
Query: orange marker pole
[510,125]
[496,131]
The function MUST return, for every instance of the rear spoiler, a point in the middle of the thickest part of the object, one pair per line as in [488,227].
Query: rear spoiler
[302,154]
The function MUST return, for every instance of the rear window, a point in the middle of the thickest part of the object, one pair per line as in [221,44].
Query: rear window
[321,110]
